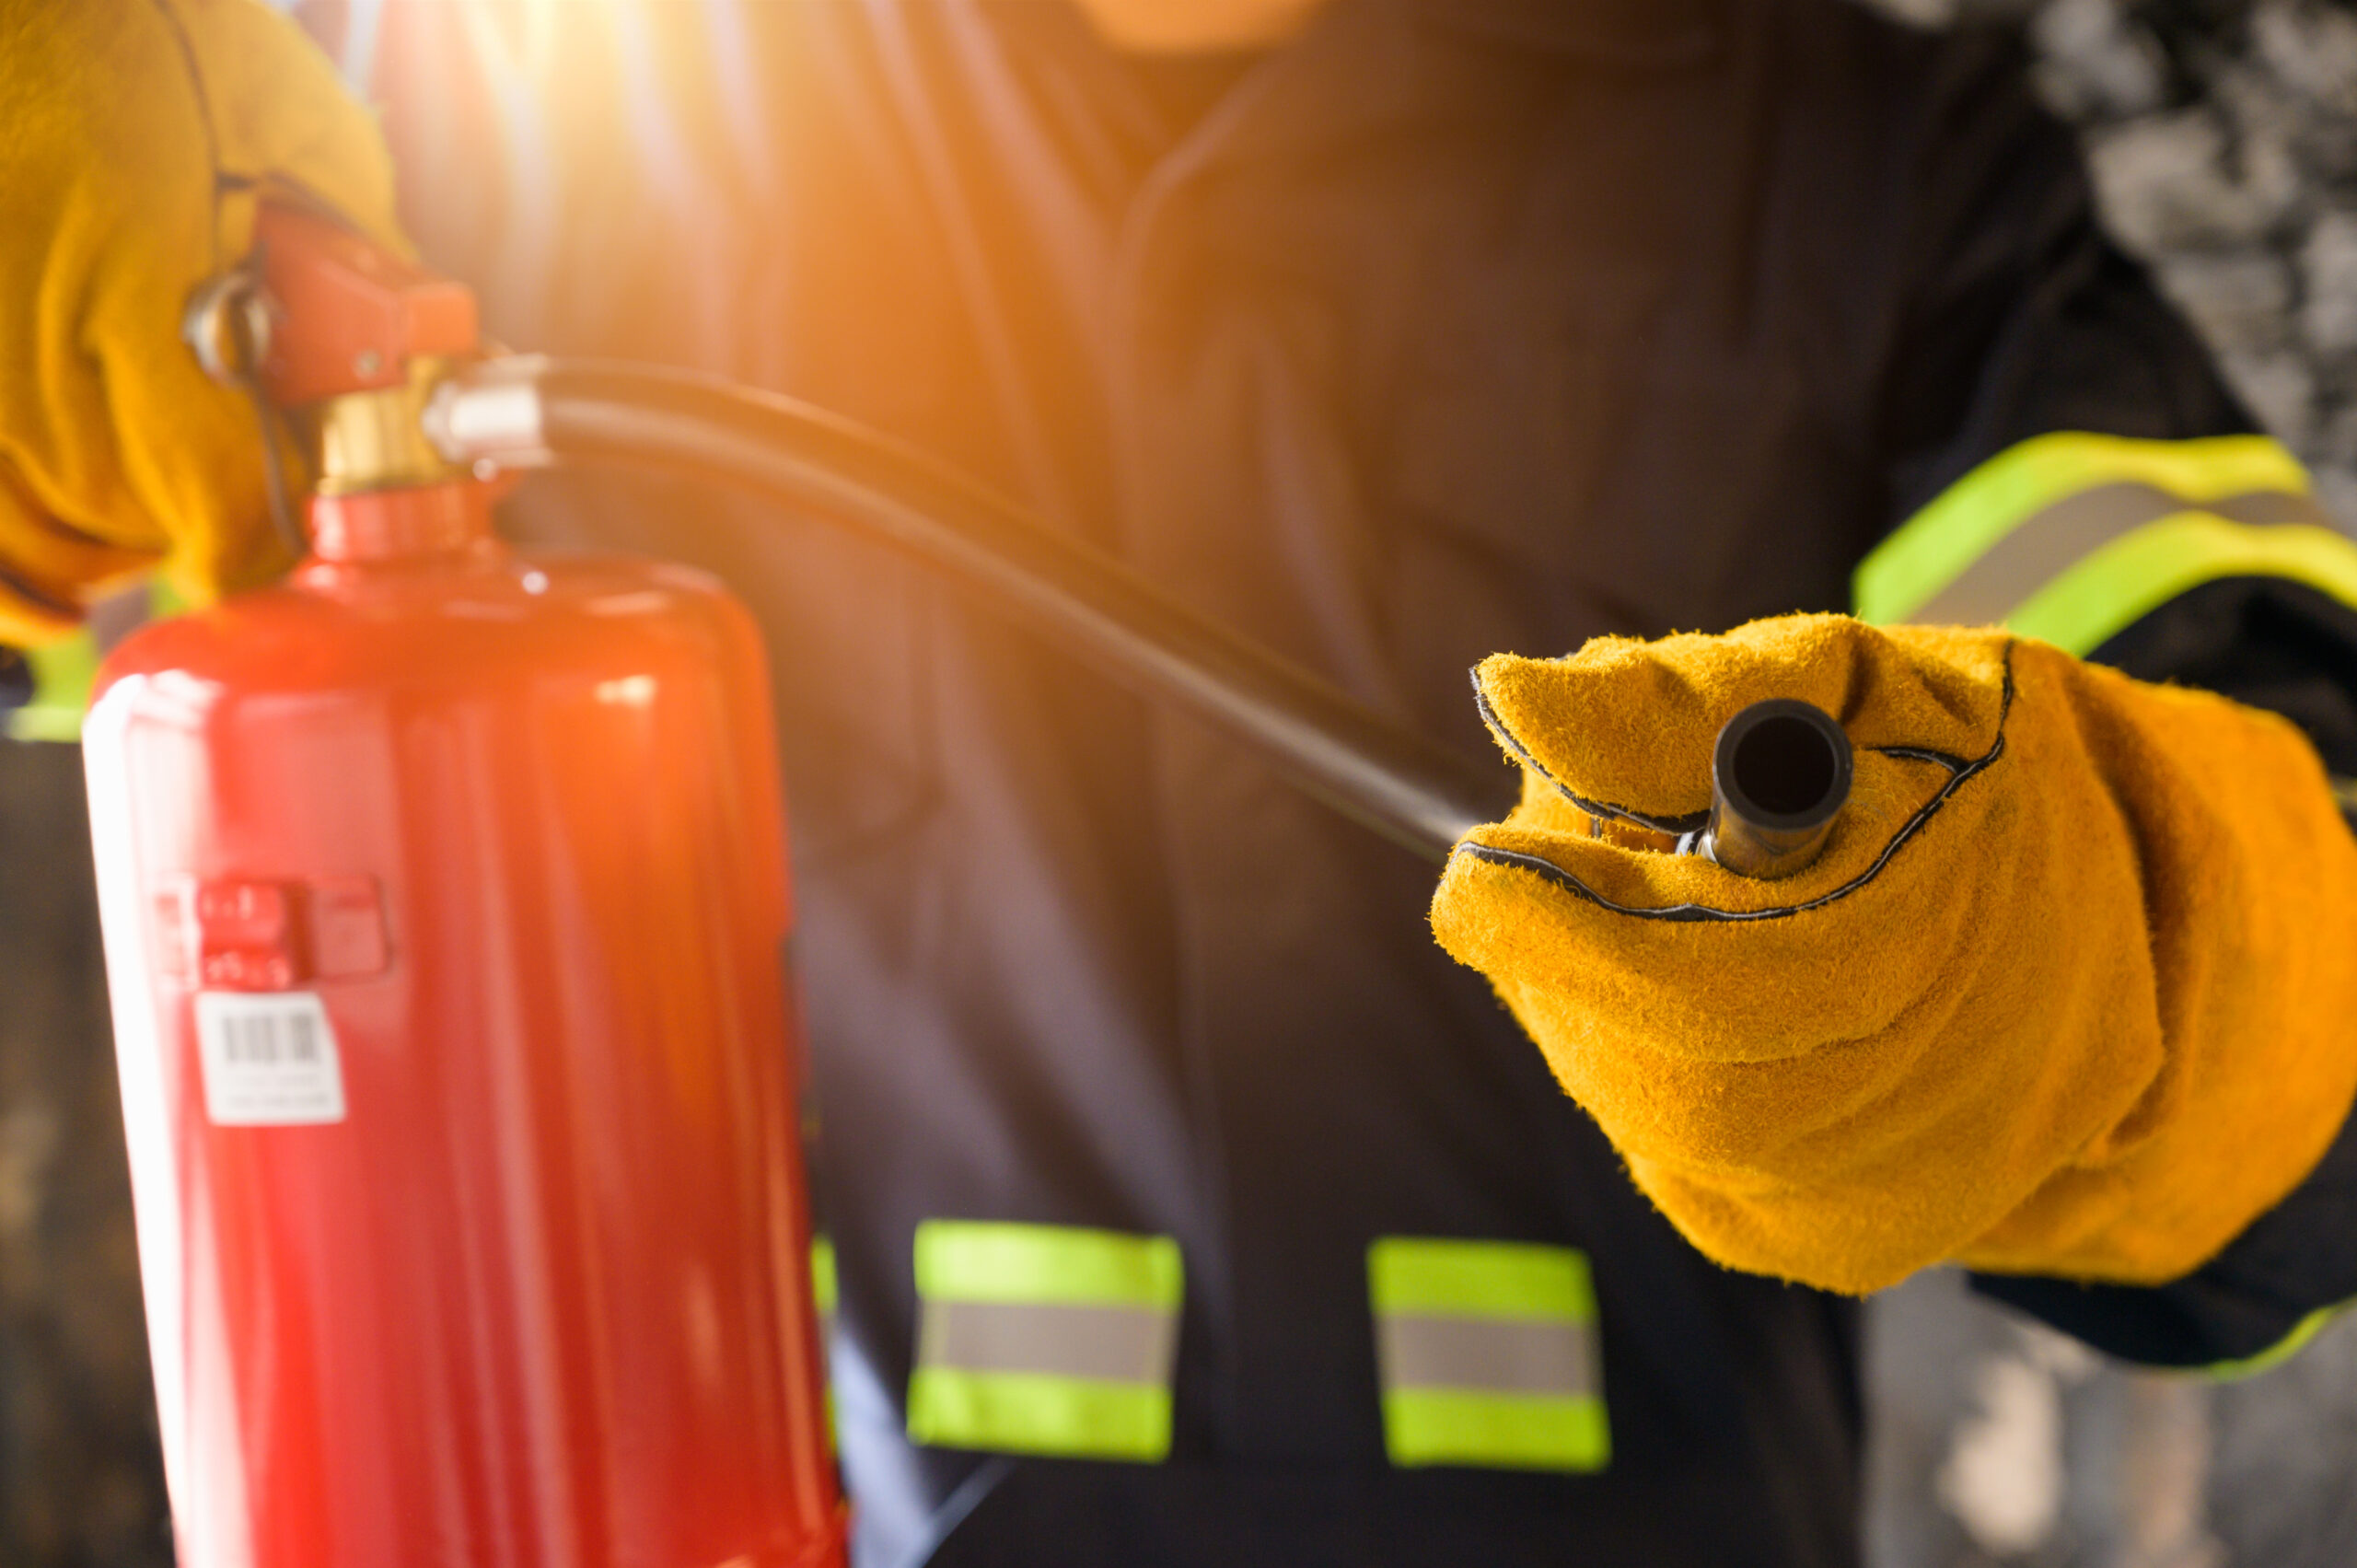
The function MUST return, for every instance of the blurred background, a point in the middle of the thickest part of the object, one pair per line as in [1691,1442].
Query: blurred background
[2223,134]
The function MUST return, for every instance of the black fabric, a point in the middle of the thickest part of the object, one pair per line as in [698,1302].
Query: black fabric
[1452,327]
[2269,642]
[1051,1514]
[16,680]
[2026,318]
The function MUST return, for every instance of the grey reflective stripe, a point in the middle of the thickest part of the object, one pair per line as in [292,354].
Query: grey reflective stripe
[1119,1344]
[1502,1355]
[2049,542]
[1040,1339]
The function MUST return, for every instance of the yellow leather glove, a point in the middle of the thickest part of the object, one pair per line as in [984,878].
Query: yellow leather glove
[2078,1000]
[136,139]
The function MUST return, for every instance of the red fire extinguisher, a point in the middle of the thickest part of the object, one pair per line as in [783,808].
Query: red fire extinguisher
[443,891]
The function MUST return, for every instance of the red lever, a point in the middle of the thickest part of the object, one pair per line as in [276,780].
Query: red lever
[350,314]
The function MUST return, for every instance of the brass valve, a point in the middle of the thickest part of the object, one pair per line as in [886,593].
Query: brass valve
[376,439]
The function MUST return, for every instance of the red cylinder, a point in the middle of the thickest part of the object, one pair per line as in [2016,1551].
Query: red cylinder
[444,894]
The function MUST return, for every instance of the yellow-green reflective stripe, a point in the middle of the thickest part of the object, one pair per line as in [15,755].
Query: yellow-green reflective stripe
[1481,1279]
[2282,1350]
[2076,526]
[1031,1412]
[1453,1426]
[64,673]
[62,676]
[1942,541]
[2107,590]
[823,1298]
[822,1276]
[982,1260]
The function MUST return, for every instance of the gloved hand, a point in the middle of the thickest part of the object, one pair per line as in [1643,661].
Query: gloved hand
[136,140]
[2072,991]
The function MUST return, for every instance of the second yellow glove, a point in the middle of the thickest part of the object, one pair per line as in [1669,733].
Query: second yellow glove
[2073,990]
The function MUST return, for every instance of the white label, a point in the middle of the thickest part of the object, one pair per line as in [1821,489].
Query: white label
[269,1059]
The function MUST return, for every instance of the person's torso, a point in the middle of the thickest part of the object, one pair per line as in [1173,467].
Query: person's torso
[1446,330]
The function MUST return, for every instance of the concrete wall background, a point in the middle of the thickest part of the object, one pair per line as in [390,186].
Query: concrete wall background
[1998,1441]
[2223,135]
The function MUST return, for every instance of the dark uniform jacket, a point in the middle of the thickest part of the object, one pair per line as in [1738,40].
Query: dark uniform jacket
[1449,328]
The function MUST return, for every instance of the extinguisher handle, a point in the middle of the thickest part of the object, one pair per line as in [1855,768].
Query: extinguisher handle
[331,323]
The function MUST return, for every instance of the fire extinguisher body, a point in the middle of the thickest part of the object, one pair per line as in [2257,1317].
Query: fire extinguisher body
[443,893]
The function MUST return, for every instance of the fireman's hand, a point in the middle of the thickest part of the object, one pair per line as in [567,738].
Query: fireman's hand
[135,139]
[2069,992]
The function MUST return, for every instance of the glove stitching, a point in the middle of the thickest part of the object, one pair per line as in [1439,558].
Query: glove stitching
[1947,760]
[1685,823]
[1961,772]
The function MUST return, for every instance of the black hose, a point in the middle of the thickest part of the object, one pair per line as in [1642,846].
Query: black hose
[1410,790]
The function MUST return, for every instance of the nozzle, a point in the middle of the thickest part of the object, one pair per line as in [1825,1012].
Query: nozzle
[1779,777]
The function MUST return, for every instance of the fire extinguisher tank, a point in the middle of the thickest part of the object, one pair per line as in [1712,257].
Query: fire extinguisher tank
[443,893]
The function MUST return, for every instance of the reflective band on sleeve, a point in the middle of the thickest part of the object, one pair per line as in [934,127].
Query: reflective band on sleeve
[2044,511]
[2072,529]
[1045,1340]
[2105,592]
[1487,1353]
[2282,1350]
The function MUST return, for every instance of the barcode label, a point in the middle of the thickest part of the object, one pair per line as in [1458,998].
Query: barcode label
[269,1059]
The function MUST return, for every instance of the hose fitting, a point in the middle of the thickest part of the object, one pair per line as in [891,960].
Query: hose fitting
[1780,775]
